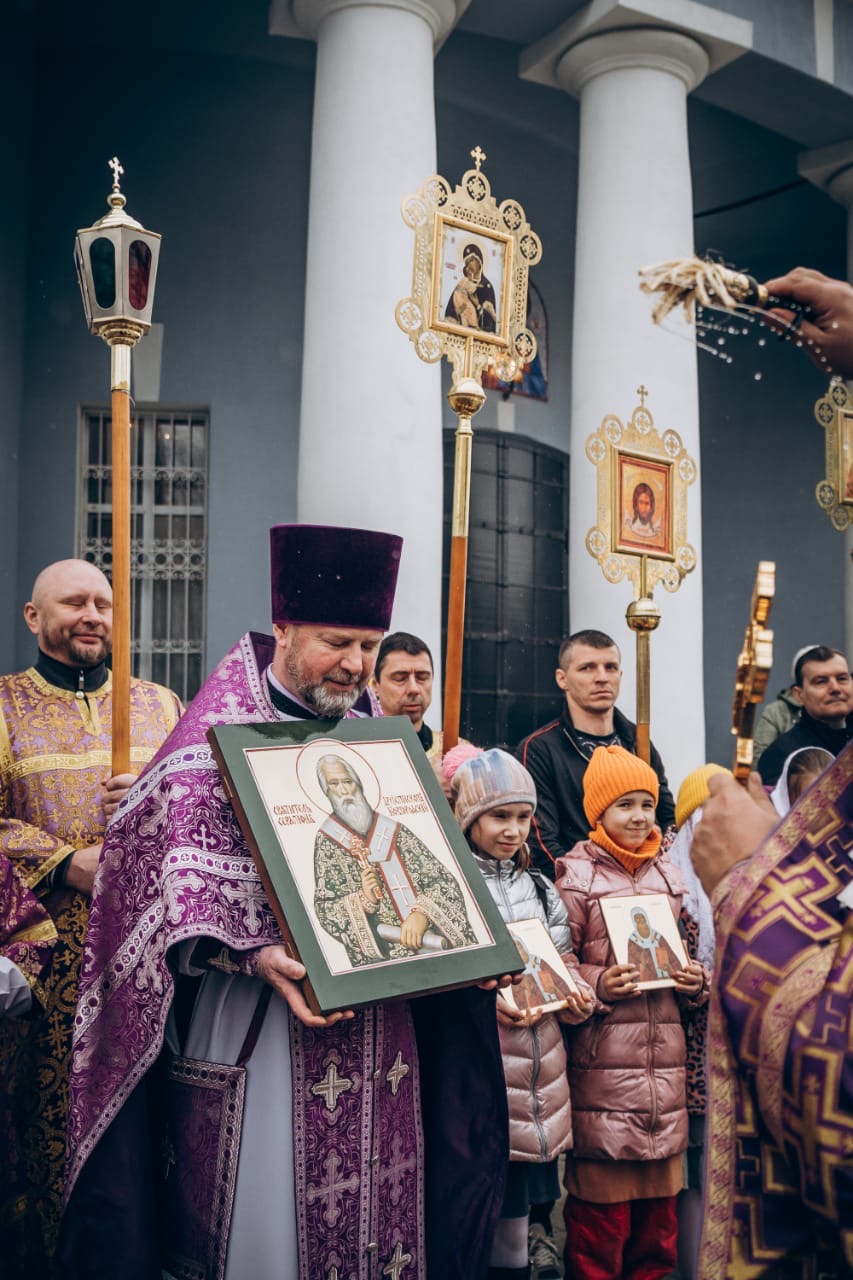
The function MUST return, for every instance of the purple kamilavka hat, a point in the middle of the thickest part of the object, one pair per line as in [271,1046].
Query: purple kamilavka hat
[323,575]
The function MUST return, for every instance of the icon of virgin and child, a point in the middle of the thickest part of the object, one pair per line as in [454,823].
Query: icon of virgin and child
[472,302]
[379,891]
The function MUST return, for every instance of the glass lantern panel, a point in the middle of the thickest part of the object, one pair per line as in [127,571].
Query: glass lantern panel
[139,274]
[102,256]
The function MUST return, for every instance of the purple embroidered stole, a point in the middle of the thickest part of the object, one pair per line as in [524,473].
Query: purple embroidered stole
[358,1148]
[27,933]
[175,866]
[780,1133]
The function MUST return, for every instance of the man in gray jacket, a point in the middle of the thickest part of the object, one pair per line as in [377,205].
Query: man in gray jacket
[780,715]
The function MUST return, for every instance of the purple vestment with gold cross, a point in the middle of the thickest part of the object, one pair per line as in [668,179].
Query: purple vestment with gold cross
[780,1138]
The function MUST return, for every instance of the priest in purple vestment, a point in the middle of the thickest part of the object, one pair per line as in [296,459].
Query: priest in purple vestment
[779,1181]
[372,1143]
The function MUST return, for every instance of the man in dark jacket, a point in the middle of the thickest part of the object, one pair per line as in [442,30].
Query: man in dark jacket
[590,675]
[823,687]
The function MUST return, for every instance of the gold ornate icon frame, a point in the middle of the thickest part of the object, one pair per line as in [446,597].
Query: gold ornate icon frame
[834,493]
[634,462]
[467,216]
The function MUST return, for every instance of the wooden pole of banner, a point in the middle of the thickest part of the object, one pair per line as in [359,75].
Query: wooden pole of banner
[466,397]
[643,618]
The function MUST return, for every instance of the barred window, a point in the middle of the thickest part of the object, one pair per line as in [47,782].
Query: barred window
[168,556]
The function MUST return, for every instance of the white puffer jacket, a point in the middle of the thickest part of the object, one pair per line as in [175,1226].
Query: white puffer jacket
[534,1058]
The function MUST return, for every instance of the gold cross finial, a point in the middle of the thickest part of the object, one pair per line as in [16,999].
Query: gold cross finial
[115,165]
[478,156]
[642,392]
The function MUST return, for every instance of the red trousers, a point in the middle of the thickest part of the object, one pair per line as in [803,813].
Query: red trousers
[634,1240]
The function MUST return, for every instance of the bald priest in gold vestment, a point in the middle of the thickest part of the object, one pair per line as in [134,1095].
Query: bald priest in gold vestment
[56,796]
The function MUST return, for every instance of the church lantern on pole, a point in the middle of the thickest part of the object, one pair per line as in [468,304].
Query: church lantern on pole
[116,262]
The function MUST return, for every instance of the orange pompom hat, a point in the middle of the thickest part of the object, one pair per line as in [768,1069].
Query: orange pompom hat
[611,773]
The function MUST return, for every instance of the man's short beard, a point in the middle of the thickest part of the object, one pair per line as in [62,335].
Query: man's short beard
[328,703]
[85,657]
[355,812]
[59,642]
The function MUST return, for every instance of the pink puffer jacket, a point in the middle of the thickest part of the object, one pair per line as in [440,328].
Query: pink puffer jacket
[540,1112]
[627,1065]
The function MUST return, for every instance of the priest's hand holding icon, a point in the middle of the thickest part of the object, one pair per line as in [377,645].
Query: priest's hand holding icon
[284,974]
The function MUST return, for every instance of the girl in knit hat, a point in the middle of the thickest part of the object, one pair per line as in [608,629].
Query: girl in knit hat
[494,802]
[627,1065]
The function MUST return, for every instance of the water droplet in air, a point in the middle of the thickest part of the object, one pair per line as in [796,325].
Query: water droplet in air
[757,376]
[762,342]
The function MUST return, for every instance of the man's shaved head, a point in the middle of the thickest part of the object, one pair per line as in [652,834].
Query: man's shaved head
[56,577]
[71,613]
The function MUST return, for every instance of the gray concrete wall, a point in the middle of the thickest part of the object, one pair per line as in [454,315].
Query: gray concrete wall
[762,450]
[782,29]
[218,163]
[15,90]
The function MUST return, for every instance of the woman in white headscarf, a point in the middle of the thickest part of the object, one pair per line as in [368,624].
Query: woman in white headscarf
[798,773]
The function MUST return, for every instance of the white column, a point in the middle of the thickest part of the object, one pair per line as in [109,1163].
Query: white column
[635,208]
[832,169]
[370,426]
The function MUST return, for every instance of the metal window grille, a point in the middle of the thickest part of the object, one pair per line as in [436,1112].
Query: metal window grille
[169,484]
[516,608]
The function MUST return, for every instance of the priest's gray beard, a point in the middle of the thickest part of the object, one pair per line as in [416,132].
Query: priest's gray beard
[354,811]
[326,702]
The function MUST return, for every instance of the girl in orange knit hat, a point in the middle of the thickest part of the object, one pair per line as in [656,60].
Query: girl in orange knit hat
[627,1065]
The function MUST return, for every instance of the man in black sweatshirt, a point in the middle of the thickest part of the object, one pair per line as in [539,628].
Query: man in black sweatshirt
[590,675]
